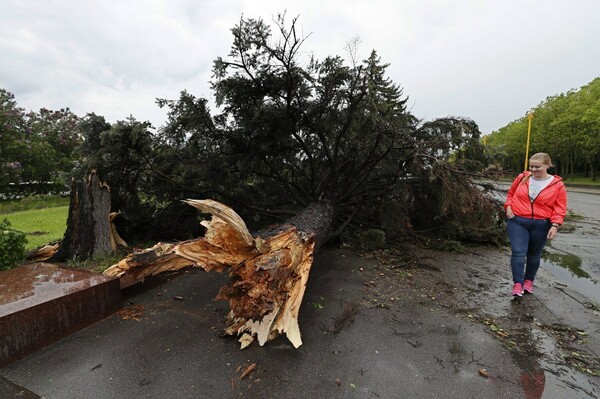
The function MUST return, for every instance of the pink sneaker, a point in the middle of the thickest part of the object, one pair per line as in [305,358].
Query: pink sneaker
[517,290]
[528,287]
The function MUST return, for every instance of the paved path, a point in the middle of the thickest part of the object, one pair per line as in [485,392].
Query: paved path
[418,333]
[406,347]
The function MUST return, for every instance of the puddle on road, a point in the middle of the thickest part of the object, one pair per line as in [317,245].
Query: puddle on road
[551,379]
[567,261]
[568,269]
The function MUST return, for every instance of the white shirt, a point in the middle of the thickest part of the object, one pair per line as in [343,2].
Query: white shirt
[535,186]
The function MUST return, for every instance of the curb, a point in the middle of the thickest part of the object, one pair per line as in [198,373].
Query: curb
[41,303]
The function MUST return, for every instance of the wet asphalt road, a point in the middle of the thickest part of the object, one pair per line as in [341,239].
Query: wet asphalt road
[581,245]
[409,348]
[420,344]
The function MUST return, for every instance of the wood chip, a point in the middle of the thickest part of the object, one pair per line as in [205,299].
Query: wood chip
[484,373]
[248,370]
[131,312]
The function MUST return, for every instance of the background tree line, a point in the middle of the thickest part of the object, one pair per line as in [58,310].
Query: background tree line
[567,126]
[36,146]
[289,131]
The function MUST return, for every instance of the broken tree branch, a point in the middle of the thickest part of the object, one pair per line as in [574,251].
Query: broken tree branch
[268,273]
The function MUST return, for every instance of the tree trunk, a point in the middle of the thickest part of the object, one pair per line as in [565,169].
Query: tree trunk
[267,273]
[46,252]
[572,168]
[88,231]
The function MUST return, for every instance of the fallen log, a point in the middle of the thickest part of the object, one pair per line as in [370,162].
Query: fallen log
[267,273]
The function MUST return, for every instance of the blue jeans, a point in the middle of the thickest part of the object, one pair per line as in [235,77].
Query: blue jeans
[527,239]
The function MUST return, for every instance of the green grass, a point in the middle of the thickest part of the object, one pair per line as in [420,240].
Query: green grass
[41,226]
[44,219]
[99,264]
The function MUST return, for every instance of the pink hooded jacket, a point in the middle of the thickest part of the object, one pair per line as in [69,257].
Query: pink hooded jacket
[551,202]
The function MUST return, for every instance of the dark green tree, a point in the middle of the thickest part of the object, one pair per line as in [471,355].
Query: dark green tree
[564,125]
[294,131]
[289,131]
[12,126]
[53,136]
[92,127]
[290,135]
[36,146]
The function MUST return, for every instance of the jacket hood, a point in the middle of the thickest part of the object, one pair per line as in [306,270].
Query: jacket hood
[556,178]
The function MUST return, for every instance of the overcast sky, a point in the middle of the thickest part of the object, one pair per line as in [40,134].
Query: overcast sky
[488,60]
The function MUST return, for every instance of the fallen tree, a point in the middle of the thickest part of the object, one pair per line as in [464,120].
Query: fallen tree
[287,134]
[268,273]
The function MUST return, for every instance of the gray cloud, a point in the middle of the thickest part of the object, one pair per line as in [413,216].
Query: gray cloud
[491,61]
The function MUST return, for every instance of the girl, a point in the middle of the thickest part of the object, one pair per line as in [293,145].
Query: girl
[535,205]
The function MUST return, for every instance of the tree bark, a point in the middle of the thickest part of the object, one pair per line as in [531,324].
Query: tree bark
[46,252]
[267,273]
[88,231]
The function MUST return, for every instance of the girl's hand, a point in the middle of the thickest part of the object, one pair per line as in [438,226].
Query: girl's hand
[509,212]
[552,232]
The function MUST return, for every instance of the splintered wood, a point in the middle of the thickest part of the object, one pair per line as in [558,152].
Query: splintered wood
[44,253]
[268,274]
[115,239]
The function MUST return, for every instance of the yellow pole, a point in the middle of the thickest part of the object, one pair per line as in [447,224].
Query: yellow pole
[530,117]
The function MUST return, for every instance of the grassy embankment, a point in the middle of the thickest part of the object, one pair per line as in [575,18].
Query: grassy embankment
[42,219]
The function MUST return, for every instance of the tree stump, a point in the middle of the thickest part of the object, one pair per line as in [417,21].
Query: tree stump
[88,231]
